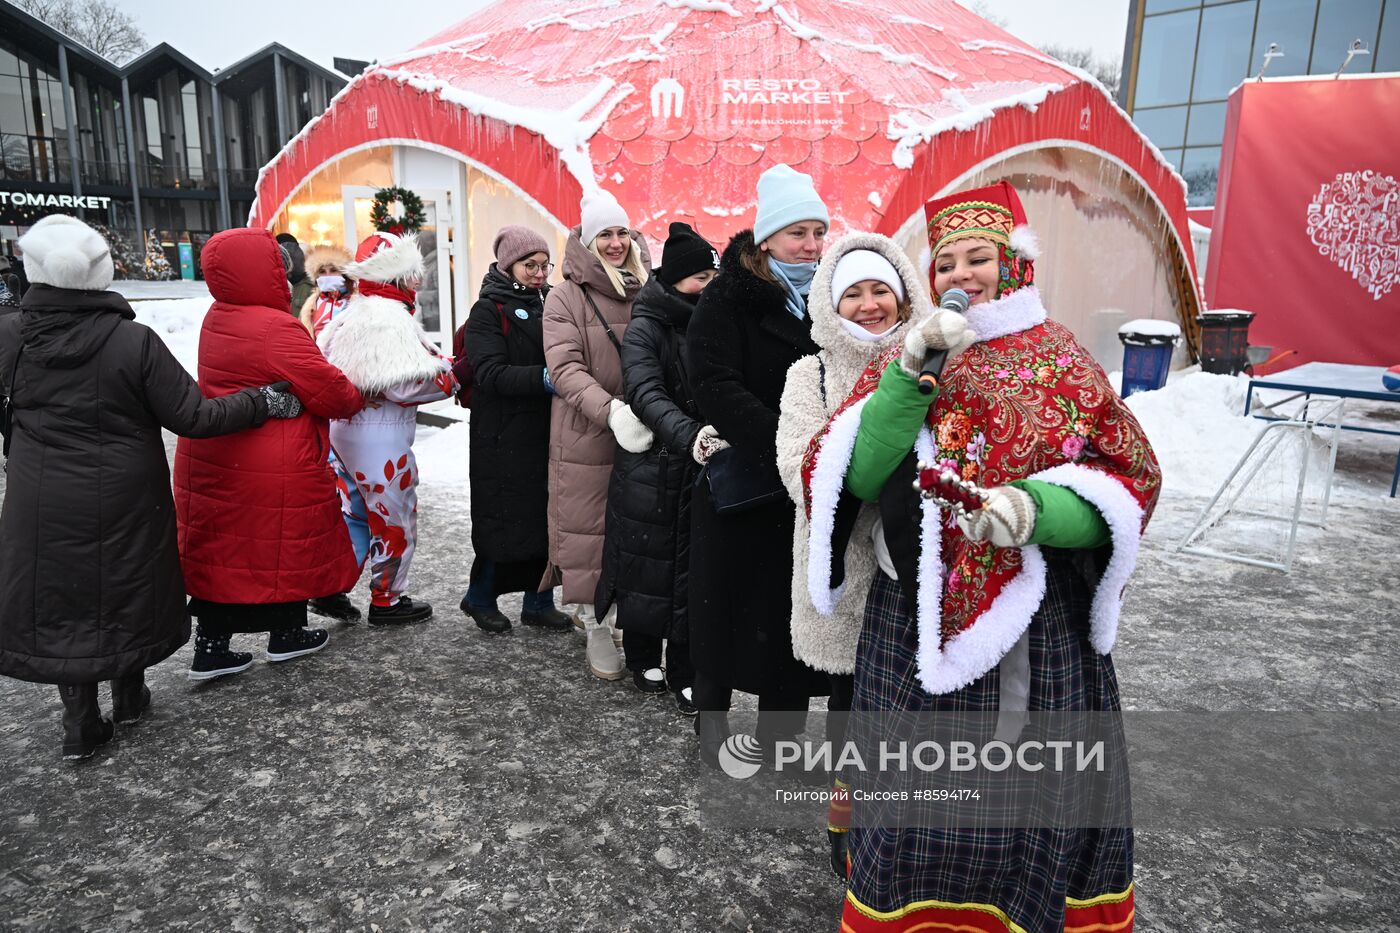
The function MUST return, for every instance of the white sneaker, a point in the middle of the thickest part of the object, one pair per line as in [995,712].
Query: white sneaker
[604,660]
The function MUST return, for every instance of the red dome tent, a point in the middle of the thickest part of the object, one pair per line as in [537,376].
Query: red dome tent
[676,106]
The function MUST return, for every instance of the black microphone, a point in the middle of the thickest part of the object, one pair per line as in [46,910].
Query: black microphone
[954,299]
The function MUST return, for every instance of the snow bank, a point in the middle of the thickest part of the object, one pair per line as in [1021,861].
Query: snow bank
[1197,429]
[443,455]
[178,322]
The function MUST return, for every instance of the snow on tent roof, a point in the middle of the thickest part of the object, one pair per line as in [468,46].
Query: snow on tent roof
[678,105]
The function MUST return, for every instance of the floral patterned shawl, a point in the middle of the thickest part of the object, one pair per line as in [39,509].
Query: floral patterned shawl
[1024,402]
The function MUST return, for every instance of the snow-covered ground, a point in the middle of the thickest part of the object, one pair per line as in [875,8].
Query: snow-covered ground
[135,290]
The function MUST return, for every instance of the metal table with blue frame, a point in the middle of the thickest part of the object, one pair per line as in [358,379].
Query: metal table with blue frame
[1333,380]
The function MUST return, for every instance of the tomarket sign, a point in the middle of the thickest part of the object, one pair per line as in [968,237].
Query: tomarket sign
[71,201]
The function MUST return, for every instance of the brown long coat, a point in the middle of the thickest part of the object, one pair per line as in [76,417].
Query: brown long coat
[586,370]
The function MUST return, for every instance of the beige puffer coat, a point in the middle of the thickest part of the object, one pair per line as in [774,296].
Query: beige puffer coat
[586,370]
[816,386]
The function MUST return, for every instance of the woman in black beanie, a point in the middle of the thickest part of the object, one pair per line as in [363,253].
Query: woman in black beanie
[647,545]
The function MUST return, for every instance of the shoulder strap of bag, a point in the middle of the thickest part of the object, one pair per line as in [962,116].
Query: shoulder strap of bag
[601,320]
[821,377]
[7,411]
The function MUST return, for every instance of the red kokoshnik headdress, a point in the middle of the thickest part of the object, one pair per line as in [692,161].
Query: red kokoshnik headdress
[991,213]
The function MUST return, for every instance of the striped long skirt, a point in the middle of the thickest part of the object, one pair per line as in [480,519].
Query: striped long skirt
[1023,880]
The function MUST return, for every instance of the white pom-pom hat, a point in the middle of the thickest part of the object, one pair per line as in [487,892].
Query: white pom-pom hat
[64,252]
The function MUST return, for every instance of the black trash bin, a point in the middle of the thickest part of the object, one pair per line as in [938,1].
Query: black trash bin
[1224,341]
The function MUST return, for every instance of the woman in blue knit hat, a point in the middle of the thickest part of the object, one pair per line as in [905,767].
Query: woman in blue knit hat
[751,325]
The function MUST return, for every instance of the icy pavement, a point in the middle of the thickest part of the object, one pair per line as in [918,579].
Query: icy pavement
[440,778]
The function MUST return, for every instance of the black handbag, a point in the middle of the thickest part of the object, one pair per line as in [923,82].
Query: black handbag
[739,481]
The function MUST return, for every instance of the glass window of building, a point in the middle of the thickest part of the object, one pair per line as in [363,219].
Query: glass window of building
[1289,25]
[1163,6]
[1338,23]
[1167,59]
[1200,167]
[1222,59]
[194,152]
[1165,126]
[1207,127]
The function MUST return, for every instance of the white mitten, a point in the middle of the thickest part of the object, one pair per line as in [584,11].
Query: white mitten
[1007,519]
[941,330]
[632,436]
[707,444]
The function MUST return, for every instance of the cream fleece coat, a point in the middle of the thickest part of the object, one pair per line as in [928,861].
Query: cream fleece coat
[816,387]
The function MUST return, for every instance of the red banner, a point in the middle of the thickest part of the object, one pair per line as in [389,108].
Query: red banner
[1306,231]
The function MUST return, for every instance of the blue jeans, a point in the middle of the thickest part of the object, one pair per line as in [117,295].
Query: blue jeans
[481,591]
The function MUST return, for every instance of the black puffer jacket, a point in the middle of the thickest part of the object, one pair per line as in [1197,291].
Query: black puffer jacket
[646,549]
[509,425]
[741,344]
[91,587]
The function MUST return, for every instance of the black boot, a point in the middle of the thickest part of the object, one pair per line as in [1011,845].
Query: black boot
[212,657]
[337,607]
[838,853]
[130,698]
[84,728]
[712,726]
[403,612]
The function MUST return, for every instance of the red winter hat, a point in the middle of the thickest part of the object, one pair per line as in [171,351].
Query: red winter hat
[386,257]
[991,213]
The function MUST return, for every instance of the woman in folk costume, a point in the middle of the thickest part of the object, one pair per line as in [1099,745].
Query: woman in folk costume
[585,320]
[750,327]
[863,296]
[381,347]
[1009,609]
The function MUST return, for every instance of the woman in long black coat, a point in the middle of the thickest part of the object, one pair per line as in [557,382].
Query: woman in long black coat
[92,588]
[646,548]
[509,438]
[745,335]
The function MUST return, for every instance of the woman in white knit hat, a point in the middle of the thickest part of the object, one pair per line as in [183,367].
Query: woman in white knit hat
[585,319]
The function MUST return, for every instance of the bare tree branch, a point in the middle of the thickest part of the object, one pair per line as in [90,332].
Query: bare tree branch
[97,24]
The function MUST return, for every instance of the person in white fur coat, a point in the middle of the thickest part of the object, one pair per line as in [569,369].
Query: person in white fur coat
[379,344]
[865,293]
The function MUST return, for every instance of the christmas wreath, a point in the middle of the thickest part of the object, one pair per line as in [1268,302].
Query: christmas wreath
[397,211]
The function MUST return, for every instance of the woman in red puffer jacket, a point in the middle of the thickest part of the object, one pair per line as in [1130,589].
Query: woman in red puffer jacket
[259,516]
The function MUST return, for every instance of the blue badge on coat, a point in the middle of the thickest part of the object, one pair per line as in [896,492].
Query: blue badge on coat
[522,314]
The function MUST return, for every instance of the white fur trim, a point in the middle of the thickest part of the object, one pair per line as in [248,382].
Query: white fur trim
[399,260]
[1124,517]
[379,345]
[970,654]
[1024,242]
[1018,311]
[828,477]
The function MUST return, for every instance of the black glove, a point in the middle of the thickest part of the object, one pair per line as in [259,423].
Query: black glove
[281,403]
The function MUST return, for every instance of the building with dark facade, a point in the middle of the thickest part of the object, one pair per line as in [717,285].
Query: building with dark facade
[158,145]
[1182,58]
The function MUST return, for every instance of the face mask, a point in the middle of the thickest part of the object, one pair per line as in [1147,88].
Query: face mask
[860,333]
[330,283]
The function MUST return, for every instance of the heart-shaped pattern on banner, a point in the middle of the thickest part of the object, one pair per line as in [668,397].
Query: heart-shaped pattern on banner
[1355,221]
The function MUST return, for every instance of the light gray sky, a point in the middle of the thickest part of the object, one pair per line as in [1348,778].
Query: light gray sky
[218,34]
